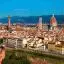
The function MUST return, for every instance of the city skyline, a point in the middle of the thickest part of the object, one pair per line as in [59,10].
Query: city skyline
[31,7]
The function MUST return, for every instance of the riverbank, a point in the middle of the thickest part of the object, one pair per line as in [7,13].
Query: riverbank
[24,56]
[41,53]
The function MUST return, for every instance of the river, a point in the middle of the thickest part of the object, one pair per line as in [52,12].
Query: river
[21,57]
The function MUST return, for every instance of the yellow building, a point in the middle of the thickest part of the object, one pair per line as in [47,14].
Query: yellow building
[56,47]
[51,46]
[59,48]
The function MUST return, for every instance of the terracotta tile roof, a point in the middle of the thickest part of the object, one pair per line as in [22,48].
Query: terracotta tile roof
[60,45]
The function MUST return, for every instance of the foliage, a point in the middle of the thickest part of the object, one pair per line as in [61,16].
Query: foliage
[11,58]
[1,41]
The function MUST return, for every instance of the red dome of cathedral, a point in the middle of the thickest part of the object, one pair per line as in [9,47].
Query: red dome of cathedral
[53,21]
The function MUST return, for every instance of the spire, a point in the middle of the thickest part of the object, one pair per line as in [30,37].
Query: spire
[53,15]
[9,24]
[8,17]
[40,19]
[40,22]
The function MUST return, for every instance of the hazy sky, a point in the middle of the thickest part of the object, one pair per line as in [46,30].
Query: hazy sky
[31,7]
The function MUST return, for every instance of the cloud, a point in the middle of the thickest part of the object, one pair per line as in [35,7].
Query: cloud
[16,10]
[22,12]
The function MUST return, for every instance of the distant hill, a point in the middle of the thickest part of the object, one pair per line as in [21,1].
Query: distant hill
[32,19]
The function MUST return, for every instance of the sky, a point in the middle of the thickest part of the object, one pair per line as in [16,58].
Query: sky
[31,7]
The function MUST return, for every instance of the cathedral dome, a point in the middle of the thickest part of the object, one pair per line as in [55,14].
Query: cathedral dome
[53,21]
